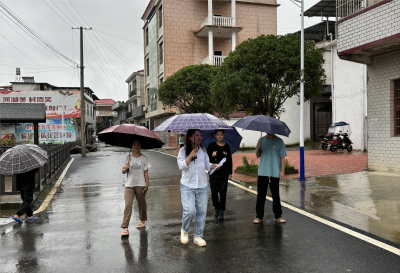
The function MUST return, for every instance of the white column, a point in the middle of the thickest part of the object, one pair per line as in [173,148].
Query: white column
[210,12]
[211,46]
[233,40]
[233,12]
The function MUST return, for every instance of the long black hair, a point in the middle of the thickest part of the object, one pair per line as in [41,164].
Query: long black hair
[189,147]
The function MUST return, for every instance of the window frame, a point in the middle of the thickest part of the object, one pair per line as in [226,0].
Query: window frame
[161,53]
[147,36]
[395,107]
[148,67]
[160,16]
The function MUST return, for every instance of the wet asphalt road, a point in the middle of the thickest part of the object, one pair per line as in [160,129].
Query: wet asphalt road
[80,231]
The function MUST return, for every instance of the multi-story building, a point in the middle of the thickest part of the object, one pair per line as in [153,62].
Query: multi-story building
[136,99]
[181,33]
[120,108]
[104,112]
[61,102]
[369,33]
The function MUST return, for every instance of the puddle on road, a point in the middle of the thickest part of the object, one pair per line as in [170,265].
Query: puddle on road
[365,200]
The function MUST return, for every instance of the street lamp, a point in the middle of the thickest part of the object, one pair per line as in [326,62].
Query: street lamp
[64,95]
[302,177]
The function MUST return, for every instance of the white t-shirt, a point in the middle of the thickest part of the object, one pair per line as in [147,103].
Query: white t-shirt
[137,167]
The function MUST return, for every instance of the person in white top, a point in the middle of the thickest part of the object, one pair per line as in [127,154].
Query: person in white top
[136,166]
[193,161]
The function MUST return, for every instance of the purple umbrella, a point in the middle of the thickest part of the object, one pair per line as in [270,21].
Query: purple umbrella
[186,122]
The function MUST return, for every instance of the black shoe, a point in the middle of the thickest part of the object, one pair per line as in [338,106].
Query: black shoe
[216,213]
[221,215]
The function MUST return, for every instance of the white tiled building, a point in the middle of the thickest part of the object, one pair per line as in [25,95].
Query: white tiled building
[369,33]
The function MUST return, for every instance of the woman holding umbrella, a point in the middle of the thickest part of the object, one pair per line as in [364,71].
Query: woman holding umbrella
[193,161]
[219,179]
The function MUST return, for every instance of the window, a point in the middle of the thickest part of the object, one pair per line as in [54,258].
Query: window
[130,88]
[397,108]
[147,67]
[148,96]
[160,16]
[217,53]
[161,80]
[147,36]
[161,52]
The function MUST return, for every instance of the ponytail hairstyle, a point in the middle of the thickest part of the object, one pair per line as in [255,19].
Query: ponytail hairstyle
[189,147]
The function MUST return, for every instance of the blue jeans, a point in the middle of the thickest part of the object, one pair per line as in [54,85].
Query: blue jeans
[194,203]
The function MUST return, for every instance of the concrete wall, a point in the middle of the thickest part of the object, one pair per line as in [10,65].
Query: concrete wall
[384,147]
[349,101]
[375,24]
[290,117]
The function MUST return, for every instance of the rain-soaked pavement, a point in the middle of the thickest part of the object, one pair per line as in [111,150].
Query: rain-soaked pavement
[80,232]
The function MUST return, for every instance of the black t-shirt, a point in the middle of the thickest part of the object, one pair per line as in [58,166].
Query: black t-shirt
[222,151]
[26,181]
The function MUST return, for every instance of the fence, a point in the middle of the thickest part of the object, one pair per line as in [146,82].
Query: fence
[58,155]
[345,8]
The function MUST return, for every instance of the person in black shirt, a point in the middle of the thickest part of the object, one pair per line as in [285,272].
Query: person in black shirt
[26,186]
[219,179]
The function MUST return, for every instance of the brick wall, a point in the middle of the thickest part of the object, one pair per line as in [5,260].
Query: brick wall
[383,146]
[375,24]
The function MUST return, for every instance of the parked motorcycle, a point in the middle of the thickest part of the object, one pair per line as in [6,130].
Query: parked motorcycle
[325,140]
[338,137]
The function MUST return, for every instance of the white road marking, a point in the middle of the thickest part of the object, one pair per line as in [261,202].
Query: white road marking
[46,201]
[324,221]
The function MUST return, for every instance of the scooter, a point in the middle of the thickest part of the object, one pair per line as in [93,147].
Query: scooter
[324,140]
[340,141]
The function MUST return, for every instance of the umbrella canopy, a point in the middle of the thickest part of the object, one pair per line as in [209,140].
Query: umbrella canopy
[123,136]
[185,122]
[263,124]
[232,137]
[22,159]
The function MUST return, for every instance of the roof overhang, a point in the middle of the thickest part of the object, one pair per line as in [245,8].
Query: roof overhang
[22,112]
[219,32]
[324,8]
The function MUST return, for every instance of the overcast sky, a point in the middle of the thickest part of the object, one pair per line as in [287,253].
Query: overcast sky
[114,48]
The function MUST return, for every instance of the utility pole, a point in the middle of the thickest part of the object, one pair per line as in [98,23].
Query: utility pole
[83,105]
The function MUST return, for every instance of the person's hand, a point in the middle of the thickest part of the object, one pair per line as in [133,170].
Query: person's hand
[145,189]
[230,176]
[193,153]
[214,153]
[213,166]
[282,175]
[259,145]
[124,169]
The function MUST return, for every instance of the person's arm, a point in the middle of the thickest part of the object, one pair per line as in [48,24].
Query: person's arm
[258,151]
[146,177]
[282,175]
[183,162]
[229,161]
[40,168]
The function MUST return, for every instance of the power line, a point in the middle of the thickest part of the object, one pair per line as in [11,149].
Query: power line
[34,33]
[131,41]
[69,11]
[59,59]
[56,13]
[77,12]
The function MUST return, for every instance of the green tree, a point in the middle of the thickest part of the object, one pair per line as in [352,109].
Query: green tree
[189,89]
[99,126]
[262,73]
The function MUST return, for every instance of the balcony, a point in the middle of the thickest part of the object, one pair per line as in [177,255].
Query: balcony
[222,27]
[373,23]
[133,93]
[128,114]
[138,112]
[218,21]
[218,60]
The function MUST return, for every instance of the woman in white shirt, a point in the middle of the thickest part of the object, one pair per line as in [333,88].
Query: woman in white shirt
[193,161]
[136,165]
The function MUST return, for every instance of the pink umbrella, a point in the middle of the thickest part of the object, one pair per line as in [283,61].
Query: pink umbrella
[123,136]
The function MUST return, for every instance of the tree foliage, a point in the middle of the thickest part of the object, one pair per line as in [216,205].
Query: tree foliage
[262,73]
[189,89]
[99,127]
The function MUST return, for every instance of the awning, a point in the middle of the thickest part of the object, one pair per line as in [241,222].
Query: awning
[22,112]
[325,8]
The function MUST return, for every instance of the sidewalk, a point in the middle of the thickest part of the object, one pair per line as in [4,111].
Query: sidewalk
[317,163]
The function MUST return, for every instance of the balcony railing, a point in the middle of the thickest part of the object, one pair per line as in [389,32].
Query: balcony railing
[138,112]
[133,93]
[218,60]
[218,21]
[345,8]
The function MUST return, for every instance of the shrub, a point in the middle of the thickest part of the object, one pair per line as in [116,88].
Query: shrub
[287,166]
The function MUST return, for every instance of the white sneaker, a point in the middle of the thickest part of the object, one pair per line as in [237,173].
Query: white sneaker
[199,241]
[184,237]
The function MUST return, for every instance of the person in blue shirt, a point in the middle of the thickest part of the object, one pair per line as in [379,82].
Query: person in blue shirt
[272,151]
